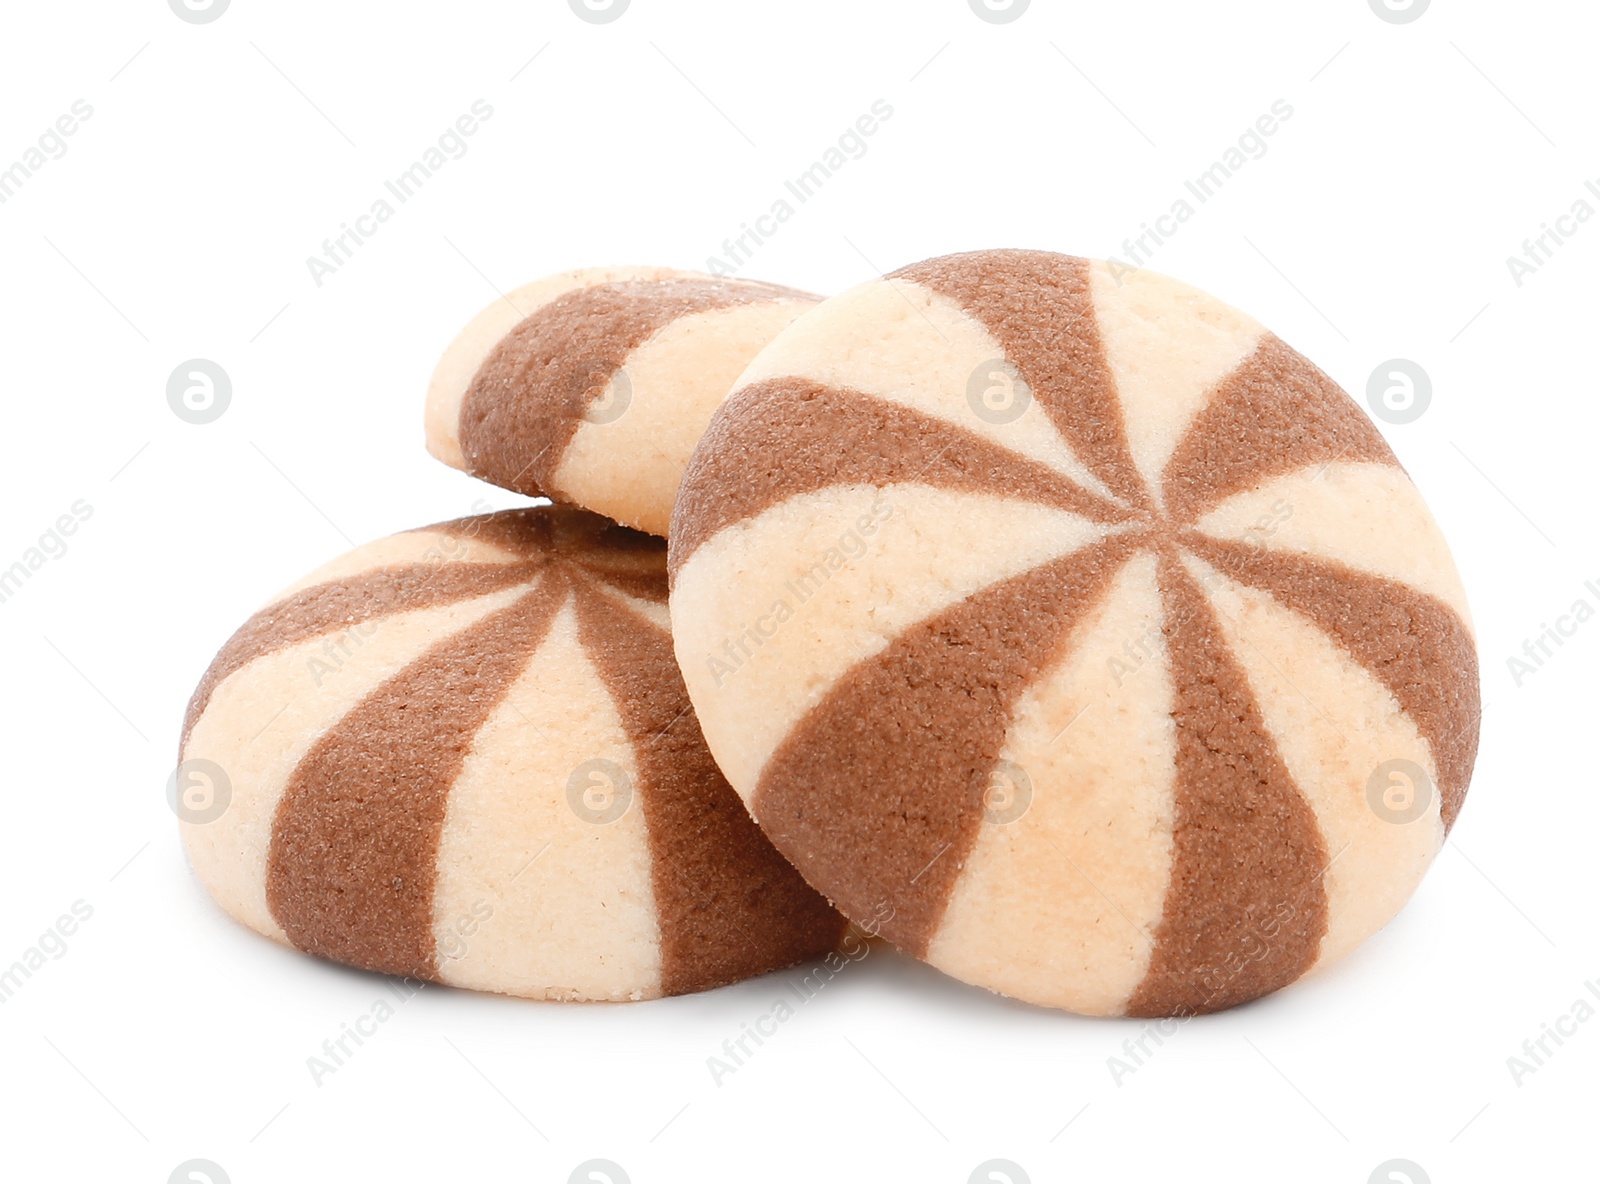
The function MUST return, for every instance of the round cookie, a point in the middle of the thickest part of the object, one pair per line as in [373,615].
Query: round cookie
[592,387]
[465,754]
[1078,630]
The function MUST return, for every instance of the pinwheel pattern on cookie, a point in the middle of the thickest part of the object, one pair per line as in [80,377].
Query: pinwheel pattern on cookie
[1079,627]
[465,754]
[592,387]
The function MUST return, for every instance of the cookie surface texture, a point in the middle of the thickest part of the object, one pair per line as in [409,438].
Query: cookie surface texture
[592,387]
[465,754]
[1076,632]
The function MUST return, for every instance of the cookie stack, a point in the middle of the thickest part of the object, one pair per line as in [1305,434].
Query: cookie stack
[1062,625]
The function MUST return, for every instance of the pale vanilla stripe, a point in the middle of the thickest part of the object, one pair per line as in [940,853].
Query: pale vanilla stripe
[1060,905]
[1366,516]
[675,379]
[911,346]
[844,595]
[265,716]
[655,613]
[466,354]
[418,546]
[1168,346]
[1333,724]
[571,911]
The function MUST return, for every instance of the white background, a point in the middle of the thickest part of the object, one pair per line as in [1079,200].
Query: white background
[177,225]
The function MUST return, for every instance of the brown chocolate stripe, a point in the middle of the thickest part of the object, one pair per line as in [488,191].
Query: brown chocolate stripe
[783,437]
[881,785]
[626,558]
[646,585]
[1275,413]
[343,603]
[353,860]
[1413,643]
[729,906]
[1245,910]
[615,543]
[1040,308]
[532,391]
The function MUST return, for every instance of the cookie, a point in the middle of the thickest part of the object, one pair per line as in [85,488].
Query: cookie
[592,387]
[465,754]
[1077,628]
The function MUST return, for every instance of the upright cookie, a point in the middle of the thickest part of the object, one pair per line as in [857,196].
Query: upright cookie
[592,387]
[465,754]
[1081,627]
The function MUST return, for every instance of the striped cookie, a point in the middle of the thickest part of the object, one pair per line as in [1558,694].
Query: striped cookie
[1078,626]
[465,754]
[592,387]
